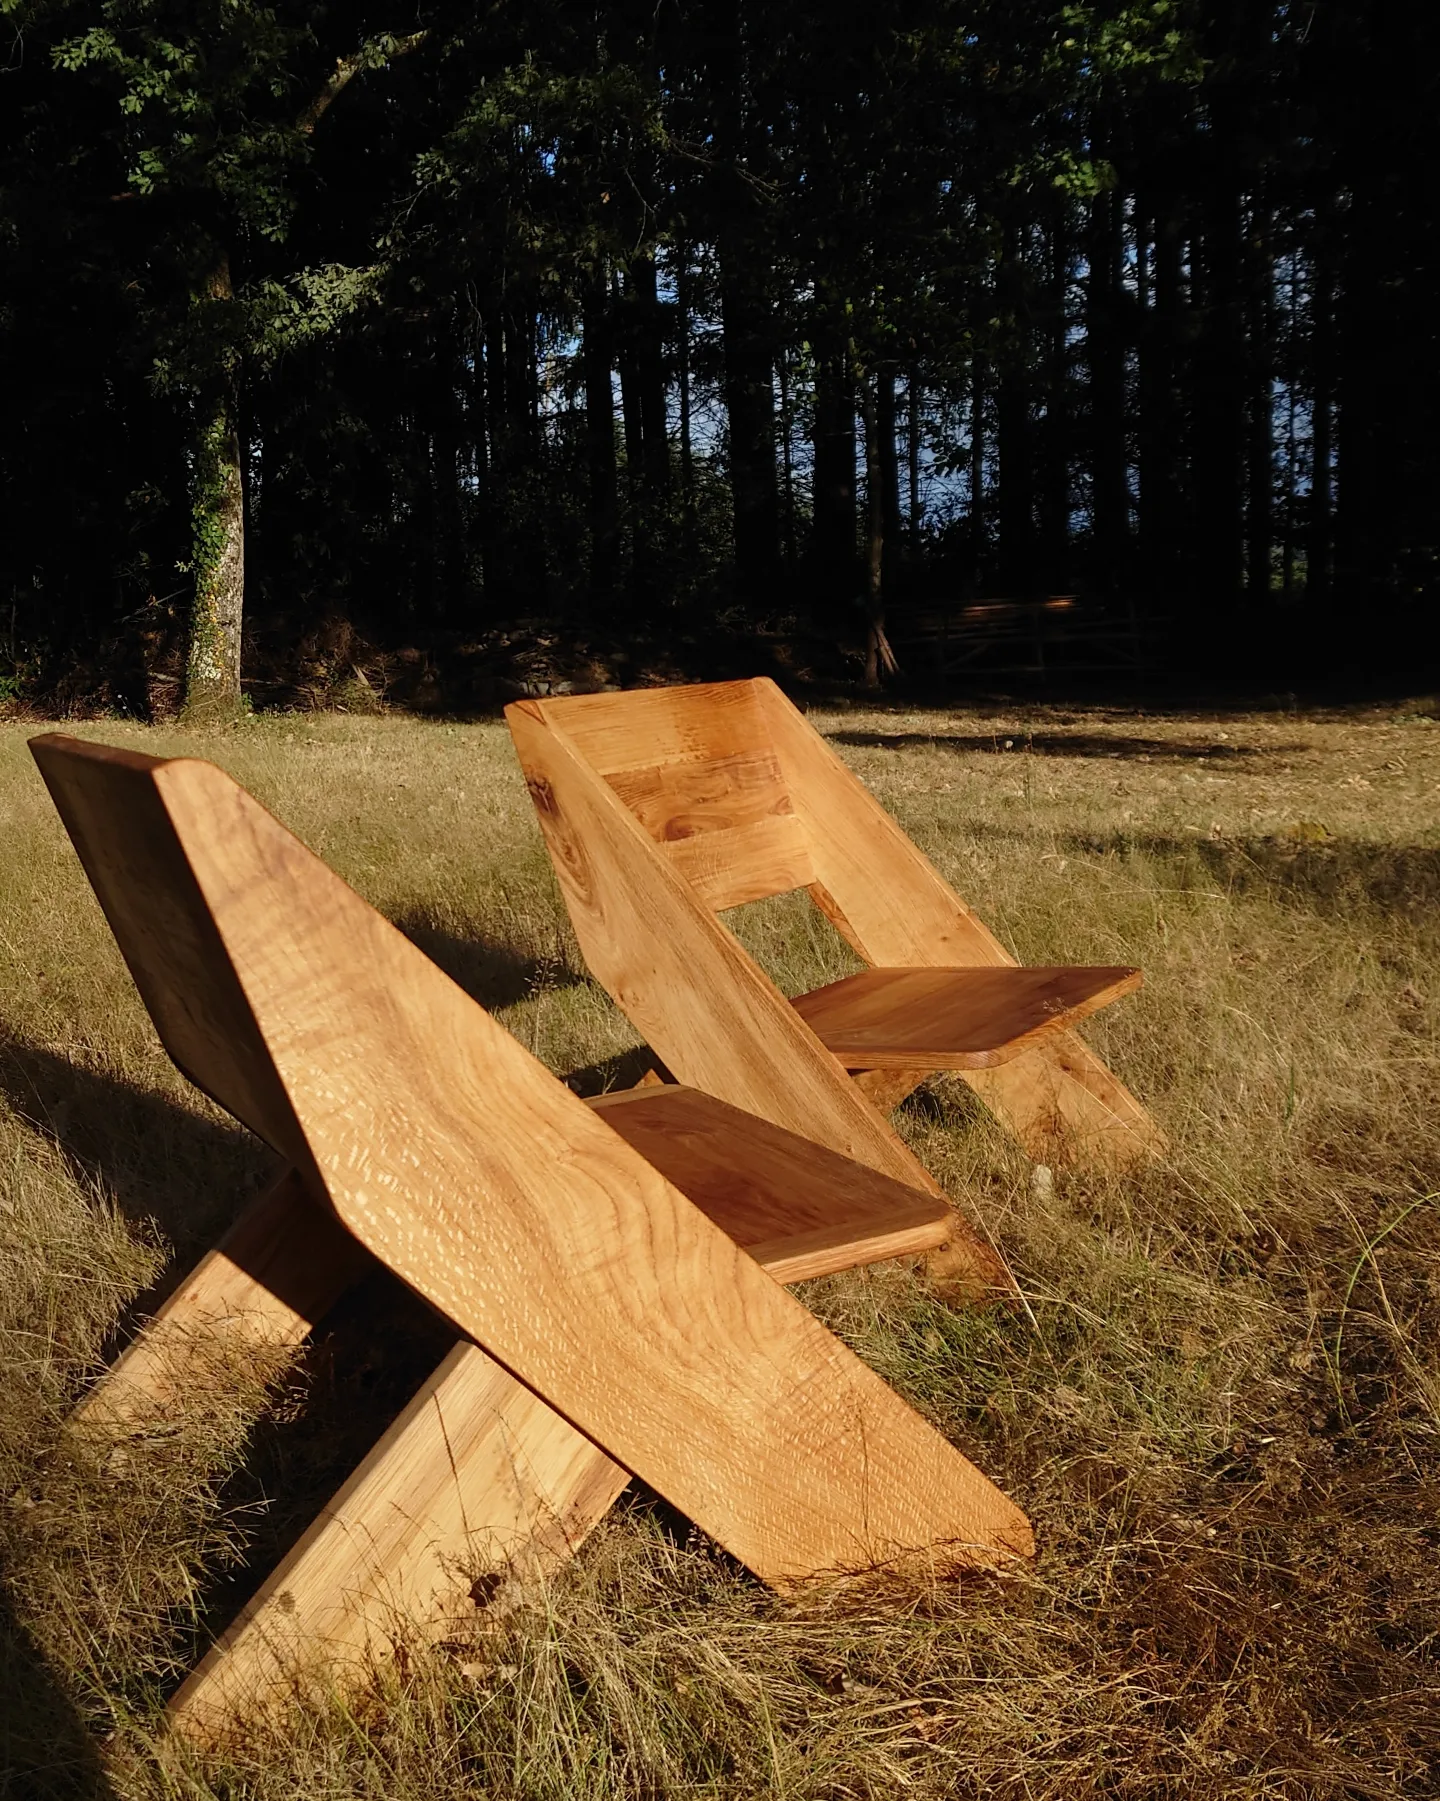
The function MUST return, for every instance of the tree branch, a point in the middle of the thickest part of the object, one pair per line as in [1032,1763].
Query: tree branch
[373,55]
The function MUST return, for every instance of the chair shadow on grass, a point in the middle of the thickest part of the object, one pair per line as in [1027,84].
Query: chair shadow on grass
[1327,875]
[489,971]
[152,1155]
[1063,744]
[46,1753]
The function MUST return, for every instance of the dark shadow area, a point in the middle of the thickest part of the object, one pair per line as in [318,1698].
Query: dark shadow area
[46,1753]
[621,1071]
[1329,877]
[365,1359]
[184,1173]
[493,974]
[1056,744]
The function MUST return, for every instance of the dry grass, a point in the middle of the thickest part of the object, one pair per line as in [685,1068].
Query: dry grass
[1223,1416]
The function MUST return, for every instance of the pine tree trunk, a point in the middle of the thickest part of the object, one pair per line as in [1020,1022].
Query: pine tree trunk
[750,408]
[649,324]
[878,654]
[1219,427]
[1260,512]
[597,357]
[1013,430]
[1322,444]
[690,523]
[833,542]
[217,516]
[977,512]
[1105,349]
[915,511]
[1160,413]
[1055,467]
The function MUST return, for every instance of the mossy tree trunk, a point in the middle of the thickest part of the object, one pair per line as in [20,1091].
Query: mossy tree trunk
[217,515]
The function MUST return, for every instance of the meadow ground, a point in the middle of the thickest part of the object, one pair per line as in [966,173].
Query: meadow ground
[1221,1406]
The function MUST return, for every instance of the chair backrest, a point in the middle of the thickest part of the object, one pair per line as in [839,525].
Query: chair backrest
[113,805]
[697,768]
[745,799]
[499,1196]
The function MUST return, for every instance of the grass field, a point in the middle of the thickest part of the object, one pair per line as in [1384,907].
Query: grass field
[1221,1407]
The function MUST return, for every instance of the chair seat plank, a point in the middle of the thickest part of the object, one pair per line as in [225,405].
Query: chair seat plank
[954,1018]
[799,1209]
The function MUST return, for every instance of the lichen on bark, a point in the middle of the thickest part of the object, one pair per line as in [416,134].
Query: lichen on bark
[212,676]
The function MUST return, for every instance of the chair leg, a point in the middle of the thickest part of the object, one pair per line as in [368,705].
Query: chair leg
[284,1263]
[886,1088]
[1064,1105]
[476,1475]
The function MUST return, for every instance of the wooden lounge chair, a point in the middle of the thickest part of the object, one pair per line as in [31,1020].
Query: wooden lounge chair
[663,806]
[605,1323]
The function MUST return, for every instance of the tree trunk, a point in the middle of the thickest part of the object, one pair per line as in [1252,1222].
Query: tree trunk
[1105,350]
[1219,428]
[649,342]
[1160,419]
[1260,512]
[597,357]
[878,654]
[787,458]
[1054,508]
[750,406]
[976,521]
[1013,430]
[217,515]
[689,513]
[1322,442]
[889,454]
[833,526]
[915,511]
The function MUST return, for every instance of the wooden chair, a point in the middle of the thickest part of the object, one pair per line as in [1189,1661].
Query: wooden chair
[664,806]
[605,1323]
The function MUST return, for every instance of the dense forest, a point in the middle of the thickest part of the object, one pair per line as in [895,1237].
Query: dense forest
[336,325]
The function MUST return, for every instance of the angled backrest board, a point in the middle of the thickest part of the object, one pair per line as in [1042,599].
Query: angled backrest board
[696,768]
[505,1201]
[112,808]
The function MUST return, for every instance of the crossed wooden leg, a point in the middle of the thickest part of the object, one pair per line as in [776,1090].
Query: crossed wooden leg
[477,1476]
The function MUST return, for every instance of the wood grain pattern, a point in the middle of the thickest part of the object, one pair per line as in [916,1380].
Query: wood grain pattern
[886,1088]
[1059,1099]
[797,1208]
[503,1200]
[716,1021]
[726,824]
[650,728]
[278,1270]
[953,1018]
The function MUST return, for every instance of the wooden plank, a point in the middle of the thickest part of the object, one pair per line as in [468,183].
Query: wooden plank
[168,939]
[646,728]
[1059,1099]
[886,1088]
[715,1020]
[503,1200]
[953,1018]
[476,1475]
[727,869]
[676,801]
[284,1263]
[797,1208]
